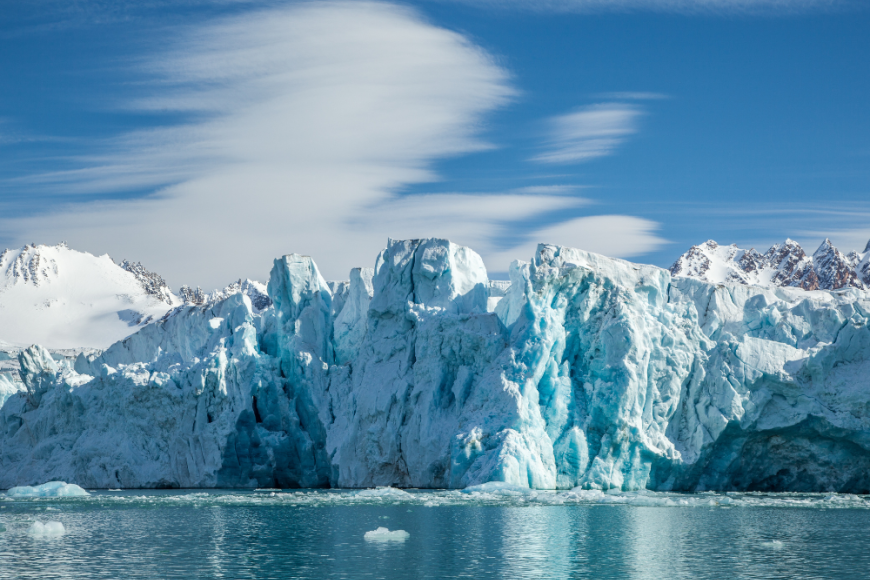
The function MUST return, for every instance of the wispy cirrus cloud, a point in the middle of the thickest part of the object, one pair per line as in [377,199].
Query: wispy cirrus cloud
[589,132]
[292,121]
[678,6]
[632,96]
[618,236]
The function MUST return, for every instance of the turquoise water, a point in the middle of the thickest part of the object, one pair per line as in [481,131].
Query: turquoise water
[502,534]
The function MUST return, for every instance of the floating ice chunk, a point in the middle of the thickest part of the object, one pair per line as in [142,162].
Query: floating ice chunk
[385,492]
[586,494]
[497,487]
[46,529]
[773,545]
[50,489]
[385,535]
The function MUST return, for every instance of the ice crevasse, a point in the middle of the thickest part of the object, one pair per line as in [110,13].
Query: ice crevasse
[589,372]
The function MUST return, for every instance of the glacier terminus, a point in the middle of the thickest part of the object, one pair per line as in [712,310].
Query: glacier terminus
[584,371]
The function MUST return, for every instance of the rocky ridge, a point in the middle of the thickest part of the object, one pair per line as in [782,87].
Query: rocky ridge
[783,265]
[152,283]
[256,291]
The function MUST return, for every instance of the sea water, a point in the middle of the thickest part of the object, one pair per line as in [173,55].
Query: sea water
[487,533]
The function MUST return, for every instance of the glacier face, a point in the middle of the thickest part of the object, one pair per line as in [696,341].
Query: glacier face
[585,372]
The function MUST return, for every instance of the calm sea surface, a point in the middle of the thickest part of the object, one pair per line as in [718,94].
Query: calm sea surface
[303,534]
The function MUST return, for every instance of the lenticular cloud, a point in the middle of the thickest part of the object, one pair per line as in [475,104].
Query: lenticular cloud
[295,120]
[299,125]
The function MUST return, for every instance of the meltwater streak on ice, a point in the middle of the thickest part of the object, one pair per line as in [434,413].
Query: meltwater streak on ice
[494,534]
[591,372]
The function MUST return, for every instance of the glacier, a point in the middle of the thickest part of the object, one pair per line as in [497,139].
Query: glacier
[583,372]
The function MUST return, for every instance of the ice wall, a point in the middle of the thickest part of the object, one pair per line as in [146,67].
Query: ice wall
[591,372]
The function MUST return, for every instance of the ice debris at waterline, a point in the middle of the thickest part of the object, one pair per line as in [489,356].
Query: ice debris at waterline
[47,529]
[433,499]
[385,535]
[590,373]
[50,489]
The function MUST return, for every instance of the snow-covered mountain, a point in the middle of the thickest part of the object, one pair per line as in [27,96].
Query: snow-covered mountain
[61,298]
[590,372]
[783,265]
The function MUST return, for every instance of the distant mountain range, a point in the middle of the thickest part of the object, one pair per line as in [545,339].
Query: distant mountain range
[784,265]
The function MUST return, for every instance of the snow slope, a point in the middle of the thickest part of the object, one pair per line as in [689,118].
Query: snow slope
[783,265]
[61,298]
[591,372]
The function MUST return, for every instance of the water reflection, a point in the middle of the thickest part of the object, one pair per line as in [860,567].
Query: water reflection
[534,543]
[161,536]
[658,539]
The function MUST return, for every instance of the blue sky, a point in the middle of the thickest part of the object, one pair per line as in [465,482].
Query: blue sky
[206,138]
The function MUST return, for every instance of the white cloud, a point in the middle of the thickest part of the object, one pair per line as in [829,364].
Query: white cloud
[305,117]
[845,240]
[633,96]
[306,121]
[619,236]
[680,6]
[590,132]
[477,220]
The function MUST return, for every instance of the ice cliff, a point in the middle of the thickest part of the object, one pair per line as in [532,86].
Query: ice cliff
[585,371]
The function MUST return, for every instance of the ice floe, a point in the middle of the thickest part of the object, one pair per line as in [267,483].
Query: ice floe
[50,489]
[38,529]
[384,535]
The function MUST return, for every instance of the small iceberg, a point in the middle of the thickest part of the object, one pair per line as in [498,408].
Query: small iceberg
[385,535]
[498,487]
[38,529]
[50,489]
[385,492]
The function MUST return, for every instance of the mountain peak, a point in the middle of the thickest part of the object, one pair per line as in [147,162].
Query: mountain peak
[152,283]
[834,270]
[63,298]
[784,264]
[825,248]
[30,264]
[254,290]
